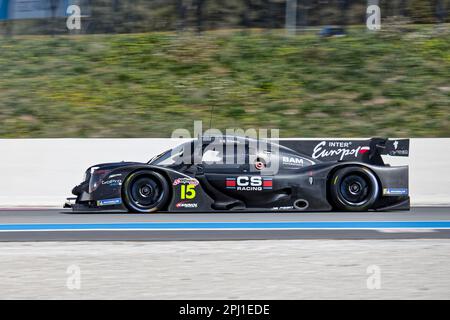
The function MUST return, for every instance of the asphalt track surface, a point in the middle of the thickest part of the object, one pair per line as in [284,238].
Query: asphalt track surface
[65,225]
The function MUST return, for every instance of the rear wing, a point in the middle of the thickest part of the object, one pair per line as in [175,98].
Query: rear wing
[367,151]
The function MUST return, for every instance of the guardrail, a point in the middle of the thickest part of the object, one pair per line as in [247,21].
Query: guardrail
[42,172]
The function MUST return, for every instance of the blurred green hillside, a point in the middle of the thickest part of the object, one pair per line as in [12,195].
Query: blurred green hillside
[146,85]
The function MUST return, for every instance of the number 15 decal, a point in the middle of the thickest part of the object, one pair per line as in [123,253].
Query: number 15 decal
[187,191]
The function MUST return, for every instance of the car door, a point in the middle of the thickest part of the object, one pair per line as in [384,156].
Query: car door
[231,168]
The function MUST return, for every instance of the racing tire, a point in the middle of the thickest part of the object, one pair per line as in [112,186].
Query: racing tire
[145,191]
[354,188]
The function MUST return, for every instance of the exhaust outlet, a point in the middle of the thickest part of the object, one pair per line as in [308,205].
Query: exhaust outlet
[301,204]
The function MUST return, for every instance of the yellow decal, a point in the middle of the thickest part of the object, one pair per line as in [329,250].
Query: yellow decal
[187,191]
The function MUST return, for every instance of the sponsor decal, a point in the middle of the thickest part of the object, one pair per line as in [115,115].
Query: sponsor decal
[339,149]
[295,162]
[399,153]
[249,183]
[283,208]
[112,183]
[187,205]
[191,181]
[187,191]
[400,149]
[395,191]
[187,187]
[109,202]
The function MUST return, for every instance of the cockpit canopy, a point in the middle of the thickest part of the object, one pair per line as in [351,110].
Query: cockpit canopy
[231,150]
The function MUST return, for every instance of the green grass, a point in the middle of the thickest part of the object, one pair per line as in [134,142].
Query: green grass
[147,85]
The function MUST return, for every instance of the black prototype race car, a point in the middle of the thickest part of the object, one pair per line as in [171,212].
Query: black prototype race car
[229,173]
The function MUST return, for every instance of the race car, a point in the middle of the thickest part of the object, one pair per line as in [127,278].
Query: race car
[232,173]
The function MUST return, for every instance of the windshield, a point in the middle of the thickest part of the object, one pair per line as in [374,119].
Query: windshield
[169,157]
[157,157]
[164,159]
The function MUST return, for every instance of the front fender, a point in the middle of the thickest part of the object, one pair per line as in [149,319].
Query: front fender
[182,198]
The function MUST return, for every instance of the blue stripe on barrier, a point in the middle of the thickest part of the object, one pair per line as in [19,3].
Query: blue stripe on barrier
[231,225]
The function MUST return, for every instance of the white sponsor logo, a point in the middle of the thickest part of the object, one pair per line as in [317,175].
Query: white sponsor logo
[249,181]
[293,161]
[113,182]
[283,208]
[296,162]
[244,183]
[186,205]
[395,144]
[341,149]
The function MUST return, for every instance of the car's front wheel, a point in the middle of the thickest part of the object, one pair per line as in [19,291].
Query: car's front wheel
[145,191]
[354,188]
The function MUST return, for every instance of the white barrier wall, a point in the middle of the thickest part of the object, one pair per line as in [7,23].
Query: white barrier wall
[42,172]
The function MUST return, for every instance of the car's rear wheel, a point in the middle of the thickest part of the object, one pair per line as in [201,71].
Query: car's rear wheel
[145,191]
[354,188]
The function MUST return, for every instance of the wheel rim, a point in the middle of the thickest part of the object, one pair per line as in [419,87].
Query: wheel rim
[355,190]
[146,192]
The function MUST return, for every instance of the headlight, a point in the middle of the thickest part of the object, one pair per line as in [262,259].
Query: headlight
[96,178]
